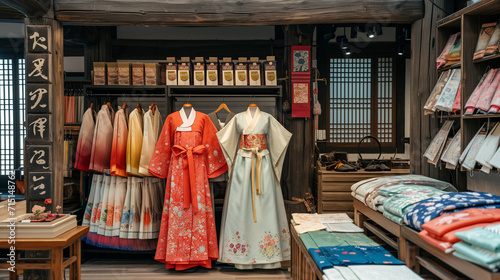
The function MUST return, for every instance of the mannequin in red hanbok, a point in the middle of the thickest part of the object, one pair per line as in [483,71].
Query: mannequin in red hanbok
[187,155]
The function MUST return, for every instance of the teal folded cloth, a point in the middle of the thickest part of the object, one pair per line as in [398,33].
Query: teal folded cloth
[355,239]
[481,237]
[394,218]
[493,267]
[308,241]
[479,254]
[324,238]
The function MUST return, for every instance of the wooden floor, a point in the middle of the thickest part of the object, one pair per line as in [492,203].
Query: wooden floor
[146,269]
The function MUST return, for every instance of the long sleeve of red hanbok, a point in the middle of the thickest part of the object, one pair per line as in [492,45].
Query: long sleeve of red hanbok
[215,158]
[160,161]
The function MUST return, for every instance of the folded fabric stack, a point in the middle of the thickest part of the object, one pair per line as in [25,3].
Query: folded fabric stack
[487,42]
[451,52]
[352,256]
[332,222]
[480,246]
[448,203]
[375,192]
[445,93]
[485,99]
[441,231]
[401,199]
[483,149]
[444,148]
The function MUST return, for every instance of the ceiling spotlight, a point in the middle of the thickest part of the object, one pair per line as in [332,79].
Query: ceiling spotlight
[370,34]
[373,30]
[343,42]
[401,49]
[348,51]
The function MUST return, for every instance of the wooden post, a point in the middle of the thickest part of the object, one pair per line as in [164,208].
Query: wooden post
[45,123]
[300,151]
[423,79]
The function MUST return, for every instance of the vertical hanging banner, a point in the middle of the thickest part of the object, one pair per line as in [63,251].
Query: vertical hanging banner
[39,125]
[301,81]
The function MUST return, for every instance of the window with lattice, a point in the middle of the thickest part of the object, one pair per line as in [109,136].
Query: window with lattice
[362,101]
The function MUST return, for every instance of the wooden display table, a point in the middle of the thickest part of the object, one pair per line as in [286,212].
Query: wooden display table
[303,265]
[361,215]
[334,188]
[70,239]
[415,259]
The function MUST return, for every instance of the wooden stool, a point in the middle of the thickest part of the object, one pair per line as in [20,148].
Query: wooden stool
[70,239]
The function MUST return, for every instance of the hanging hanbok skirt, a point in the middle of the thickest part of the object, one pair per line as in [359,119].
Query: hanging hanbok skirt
[151,209]
[94,220]
[88,209]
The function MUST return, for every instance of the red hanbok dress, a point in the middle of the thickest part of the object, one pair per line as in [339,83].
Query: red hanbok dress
[187,155]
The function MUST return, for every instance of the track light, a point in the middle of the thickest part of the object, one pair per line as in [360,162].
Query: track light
[401,49]
[343,42]
[348,51]
[373,30]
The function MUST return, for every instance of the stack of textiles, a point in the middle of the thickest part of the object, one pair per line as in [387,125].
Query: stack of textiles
[445,95]
[480,246]
[352,256]
[124,213]
[399,200]
[448,203]
[451,52]
[444,148]
[487,43]
[483,149]
[441,232]
[123,210]
[315,222]
[485,99]
[368,191]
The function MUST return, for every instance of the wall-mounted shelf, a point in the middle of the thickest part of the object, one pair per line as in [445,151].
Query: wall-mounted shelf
[481,116]
[448,116]
[262,91]
[487,58]
[121,91]
[451,66]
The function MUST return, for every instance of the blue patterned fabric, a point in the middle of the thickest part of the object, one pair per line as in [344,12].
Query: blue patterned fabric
[356,255]
[447,203]
[319,258]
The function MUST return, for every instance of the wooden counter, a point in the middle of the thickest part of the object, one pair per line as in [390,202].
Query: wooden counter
[334,188]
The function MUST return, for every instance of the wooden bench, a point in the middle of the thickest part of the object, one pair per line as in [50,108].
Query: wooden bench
[379,227]
[56,264]
[303,265]
[410,246]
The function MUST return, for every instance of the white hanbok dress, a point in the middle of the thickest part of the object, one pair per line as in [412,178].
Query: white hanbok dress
[254,229]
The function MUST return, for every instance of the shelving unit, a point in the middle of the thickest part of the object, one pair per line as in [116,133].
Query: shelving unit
[468,22]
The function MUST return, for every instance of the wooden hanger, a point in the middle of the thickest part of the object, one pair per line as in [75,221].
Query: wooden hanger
[124,105]
[109,106]
[187,105]
[139,108]
[92,106]
[153,108]
[252,105]
[223,106]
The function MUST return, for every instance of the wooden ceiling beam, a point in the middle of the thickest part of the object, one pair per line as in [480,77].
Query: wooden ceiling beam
[230,12]
[9,13]
[29,8]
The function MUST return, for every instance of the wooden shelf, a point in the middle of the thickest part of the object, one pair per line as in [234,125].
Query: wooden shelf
[490,116]
[114,91]
[452,66]
[450,22]
[487,58]
[448,116]
[274,91]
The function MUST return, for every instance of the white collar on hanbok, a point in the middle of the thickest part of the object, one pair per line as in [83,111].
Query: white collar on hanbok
[252,122]
[186,122]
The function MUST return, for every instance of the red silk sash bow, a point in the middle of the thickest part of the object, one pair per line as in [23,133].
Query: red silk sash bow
[188,160]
